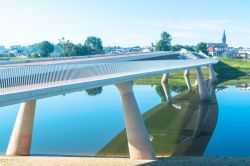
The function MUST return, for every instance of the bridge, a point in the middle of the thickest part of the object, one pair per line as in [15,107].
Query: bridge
[27,81]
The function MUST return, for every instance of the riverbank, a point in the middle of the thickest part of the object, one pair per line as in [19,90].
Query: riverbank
[229,72]
[98,161]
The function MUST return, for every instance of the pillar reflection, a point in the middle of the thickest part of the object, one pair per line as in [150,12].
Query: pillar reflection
[182,127]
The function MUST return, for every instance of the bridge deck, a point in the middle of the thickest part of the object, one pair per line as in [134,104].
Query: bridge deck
[23,83]
[90,59]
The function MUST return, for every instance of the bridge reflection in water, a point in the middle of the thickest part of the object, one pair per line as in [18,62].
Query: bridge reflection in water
[181,127]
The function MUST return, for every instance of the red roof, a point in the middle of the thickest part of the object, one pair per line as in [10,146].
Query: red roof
[211,49]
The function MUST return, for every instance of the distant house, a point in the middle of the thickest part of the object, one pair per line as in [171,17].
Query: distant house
[18,51]
[218,49]
[244,53]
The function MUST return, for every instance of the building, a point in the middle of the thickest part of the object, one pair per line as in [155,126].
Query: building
[244,53]
[218,49]
[18,51]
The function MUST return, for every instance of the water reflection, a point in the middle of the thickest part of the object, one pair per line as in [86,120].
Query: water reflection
[245,87]
[182,126]
[94,91]
[163,94]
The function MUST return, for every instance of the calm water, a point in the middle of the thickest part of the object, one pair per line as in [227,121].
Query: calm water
[79,124]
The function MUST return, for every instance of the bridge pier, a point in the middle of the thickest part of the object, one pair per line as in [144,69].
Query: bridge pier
[165,86]
[140,147]
[187,79]
[20,141]
[203,89]
[212,75]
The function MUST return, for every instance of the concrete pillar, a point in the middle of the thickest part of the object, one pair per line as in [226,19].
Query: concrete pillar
[20,141]
[203,90]
[212,89]
[212,75]
[166,89]
[187,79]
[140,147]
[202,117]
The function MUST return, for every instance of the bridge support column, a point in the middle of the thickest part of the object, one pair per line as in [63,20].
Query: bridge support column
[164,83]
[212,75]
[140,147]
[20,141]
[187,79]
[203,90]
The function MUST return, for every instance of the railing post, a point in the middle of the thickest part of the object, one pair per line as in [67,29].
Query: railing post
[165,86]
[203,90]
[140,147]
[187,79]
[20,141]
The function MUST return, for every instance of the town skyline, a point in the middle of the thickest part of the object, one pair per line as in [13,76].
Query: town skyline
[150,43]
[124,23]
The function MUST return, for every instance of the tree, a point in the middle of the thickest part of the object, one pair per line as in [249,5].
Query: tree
[164,44]
[34,55]
[189,48]
[94,91]
[159,90]
[95,44]
[178,47]
[80,50]
[45,48]
[202,47]
[66,47]
[32,48]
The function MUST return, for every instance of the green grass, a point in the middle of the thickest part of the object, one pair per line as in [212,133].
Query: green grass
[236,63]
[19,58]
[229,72]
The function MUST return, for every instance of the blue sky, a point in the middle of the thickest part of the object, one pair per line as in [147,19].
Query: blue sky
[124,22]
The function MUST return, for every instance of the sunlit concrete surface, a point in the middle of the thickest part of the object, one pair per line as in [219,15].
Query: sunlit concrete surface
[20,142]
[139,143]
[100,161]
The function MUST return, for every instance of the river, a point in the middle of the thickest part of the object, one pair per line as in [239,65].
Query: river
[83,124]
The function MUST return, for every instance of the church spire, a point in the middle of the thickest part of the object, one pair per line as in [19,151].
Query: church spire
[224,38]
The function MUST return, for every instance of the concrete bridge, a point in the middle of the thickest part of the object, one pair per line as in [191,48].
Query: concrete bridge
[27,81]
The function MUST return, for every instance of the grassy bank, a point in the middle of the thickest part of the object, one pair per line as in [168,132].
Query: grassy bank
[229,72]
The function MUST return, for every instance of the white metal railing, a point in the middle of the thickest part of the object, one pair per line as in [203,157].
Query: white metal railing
[31,77]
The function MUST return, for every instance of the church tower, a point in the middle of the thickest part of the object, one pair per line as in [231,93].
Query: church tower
[224,38]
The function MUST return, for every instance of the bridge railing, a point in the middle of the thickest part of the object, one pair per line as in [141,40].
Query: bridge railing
[30,77]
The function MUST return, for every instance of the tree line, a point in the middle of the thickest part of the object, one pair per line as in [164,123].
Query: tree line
[164,44]
[92,45]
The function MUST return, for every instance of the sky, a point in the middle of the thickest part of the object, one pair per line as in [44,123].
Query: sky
[124,22]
